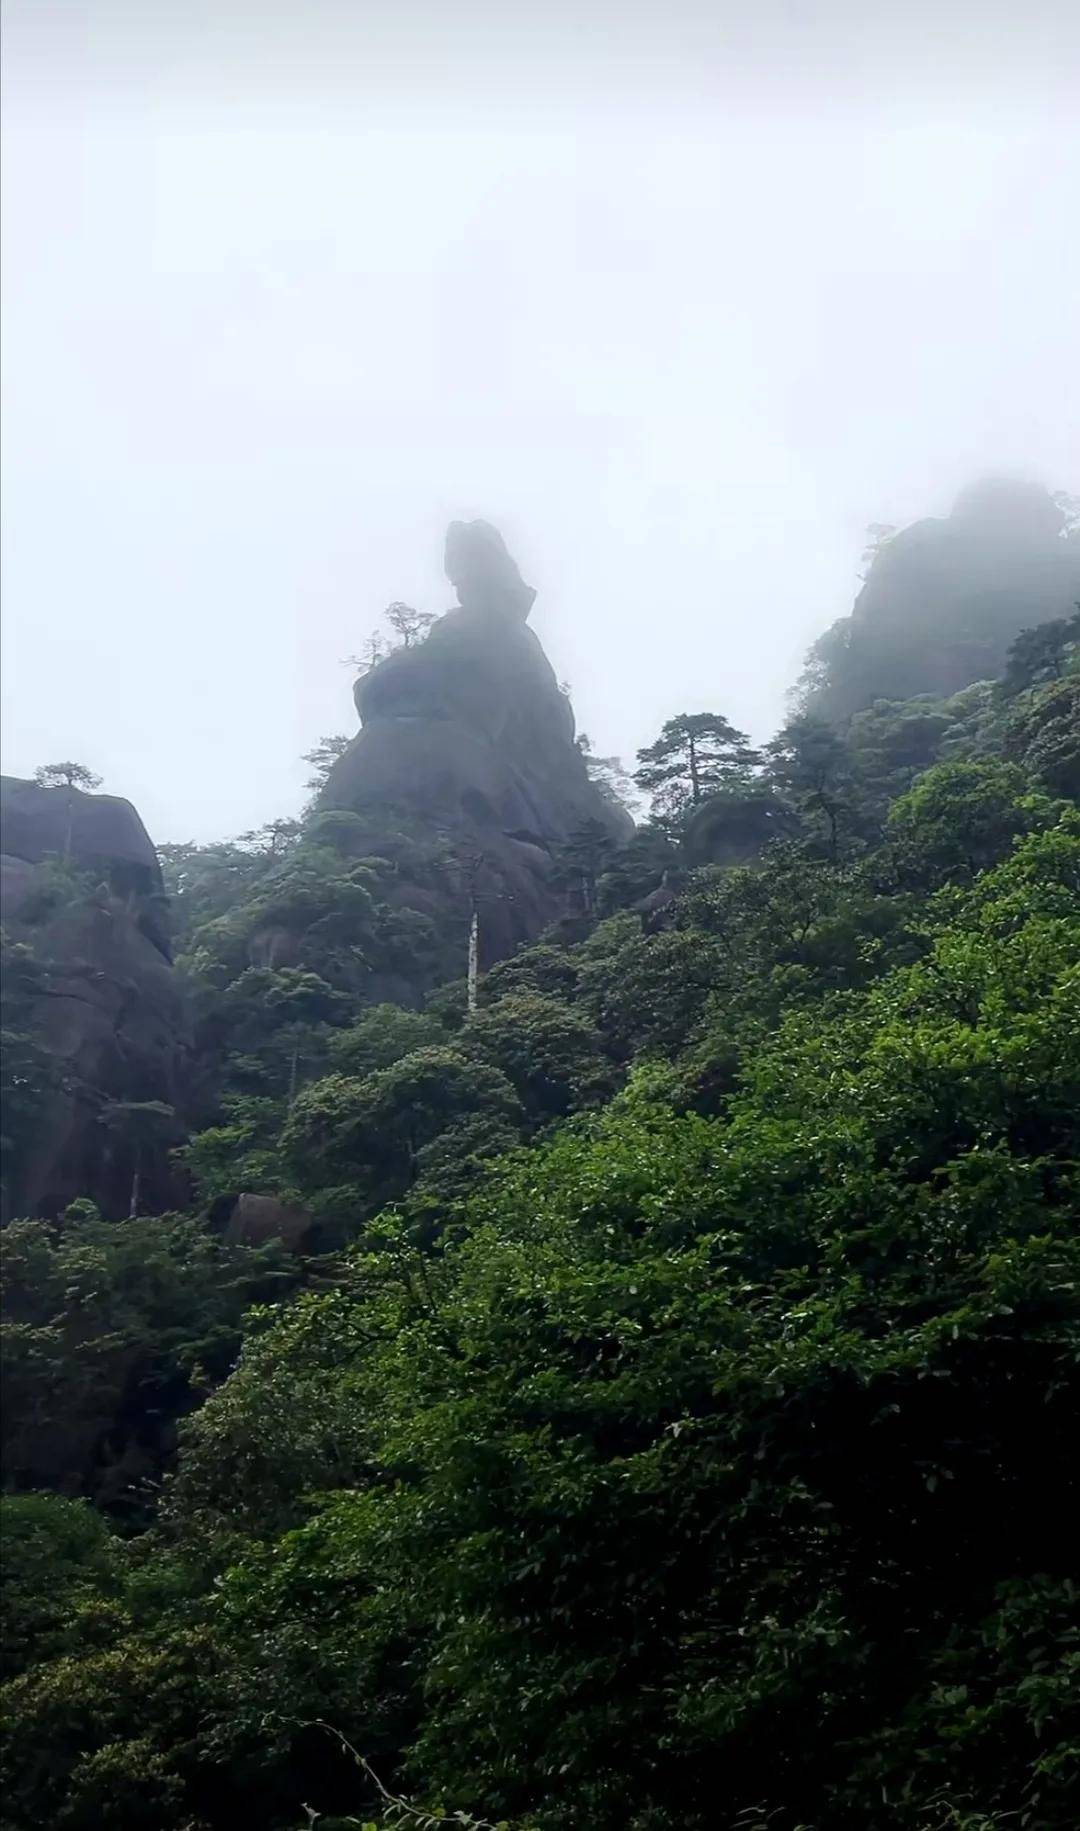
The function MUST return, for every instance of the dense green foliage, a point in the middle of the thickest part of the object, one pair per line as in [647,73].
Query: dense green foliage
[677,1429]
[112,1330]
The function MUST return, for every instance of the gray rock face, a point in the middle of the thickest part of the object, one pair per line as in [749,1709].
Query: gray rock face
[257,1219]
[945,598]
[94,830]
[105,1009]
[468,734]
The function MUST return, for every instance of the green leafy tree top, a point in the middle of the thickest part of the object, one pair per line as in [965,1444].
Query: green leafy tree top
[322,759]
[409,625]
[380,1037]
[960,818]
[1041,654]
[550,1053]
[272,840]
[808,761]
[66,775]
[610,777]
[697,754]
[369,1131]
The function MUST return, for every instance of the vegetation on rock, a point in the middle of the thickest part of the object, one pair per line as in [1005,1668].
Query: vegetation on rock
[671,1422]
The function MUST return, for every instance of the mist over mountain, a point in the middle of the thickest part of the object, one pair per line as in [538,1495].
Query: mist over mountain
[542,1292]
[540,856]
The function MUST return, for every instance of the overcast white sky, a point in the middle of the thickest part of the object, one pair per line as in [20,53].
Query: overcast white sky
[679,296]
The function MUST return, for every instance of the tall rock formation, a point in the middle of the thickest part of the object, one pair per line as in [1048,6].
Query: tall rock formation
[466,739]
[92,1004]
[945,598]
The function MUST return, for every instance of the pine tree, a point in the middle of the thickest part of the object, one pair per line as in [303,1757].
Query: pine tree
[697,754]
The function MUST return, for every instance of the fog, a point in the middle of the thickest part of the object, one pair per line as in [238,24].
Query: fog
[680,297]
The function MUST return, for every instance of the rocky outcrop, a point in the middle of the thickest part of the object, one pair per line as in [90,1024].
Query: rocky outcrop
[944,599]
[257,1220]
[95,1002]
[466,737]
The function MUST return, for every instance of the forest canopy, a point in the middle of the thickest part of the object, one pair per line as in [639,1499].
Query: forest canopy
[663,1413]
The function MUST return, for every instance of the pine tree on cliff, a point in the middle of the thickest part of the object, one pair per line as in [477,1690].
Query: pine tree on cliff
[70,776]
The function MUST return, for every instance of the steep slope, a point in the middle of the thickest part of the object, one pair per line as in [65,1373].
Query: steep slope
[92,998]
[944,598]
[693,1370]
[467,739]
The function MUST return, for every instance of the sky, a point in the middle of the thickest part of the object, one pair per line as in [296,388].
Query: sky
[681,297]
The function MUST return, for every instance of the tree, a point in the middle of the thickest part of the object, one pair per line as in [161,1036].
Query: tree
[203,882]
[1044,735]
[380,1037]
[645,993]
[878,535]
[696,754]
[610,777]
[552,971]
[688,1435]
[808,761]
[144,1126]
[679,1439]
[241,1152]
[371,654]
[581,860]
[72,777]
[1040,654]
[322,759]
[57,1555]
[272,840]
[699,1371]
[550,1053]
[339,827]
[309,900]
[66,775]
[109,1329]
[637,867]
[409,625]
[960,818]
[368,1133]
[477,884]
[279,1016]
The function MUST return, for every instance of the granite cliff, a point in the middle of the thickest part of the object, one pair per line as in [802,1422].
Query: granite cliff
[467,739]
[944,598]
[92,1000]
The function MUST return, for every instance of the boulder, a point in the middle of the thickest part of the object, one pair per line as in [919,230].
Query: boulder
[99,831]
[256,1219]
[99,1004]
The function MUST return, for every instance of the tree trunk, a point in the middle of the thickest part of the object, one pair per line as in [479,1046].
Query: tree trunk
[136,1187]
[695,785]
[292,1073]
[474,957]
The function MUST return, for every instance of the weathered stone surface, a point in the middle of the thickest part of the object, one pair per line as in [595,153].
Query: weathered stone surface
[100,833]
[945,598]
[92,829]
[468,734]
[734,829]
[18,880]
[256,1219]
[108,1012]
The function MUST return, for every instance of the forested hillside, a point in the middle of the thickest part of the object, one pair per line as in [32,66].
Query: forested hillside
[631,1388]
